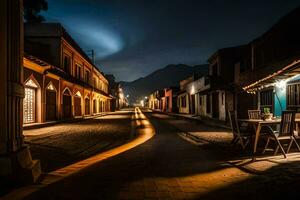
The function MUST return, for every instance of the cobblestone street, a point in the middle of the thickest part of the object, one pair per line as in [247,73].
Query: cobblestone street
[169,167]
[62,144]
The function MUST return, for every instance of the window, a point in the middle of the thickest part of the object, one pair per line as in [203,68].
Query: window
[183,101]
[67,64]
[78,71]
[87,77]
[29,102]
[266,99]
[293,97]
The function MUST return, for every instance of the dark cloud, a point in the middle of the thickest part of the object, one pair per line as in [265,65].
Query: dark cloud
[134,37]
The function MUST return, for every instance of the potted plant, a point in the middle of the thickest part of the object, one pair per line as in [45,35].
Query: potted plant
[267,114]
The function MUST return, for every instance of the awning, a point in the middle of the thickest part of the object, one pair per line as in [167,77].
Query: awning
[285,73]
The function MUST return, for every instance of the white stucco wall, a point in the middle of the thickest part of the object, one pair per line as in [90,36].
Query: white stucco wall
[184,110]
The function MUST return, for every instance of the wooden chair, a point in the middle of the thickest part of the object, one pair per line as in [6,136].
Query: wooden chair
[286,132]
[238,136]
[254,114]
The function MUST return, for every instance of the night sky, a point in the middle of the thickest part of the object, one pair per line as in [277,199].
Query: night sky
[132,38]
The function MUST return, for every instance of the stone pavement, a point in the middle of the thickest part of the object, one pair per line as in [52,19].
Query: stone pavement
[169,167]
[62,144]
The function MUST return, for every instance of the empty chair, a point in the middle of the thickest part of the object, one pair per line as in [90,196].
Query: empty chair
[254,114]
[286,132]
[238,136]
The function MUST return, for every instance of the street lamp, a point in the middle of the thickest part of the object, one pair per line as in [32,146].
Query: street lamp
[146,97]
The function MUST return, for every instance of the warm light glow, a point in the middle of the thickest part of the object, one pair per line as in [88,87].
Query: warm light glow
[193,89]
[29,106]
[281,84]
[146,97]
[145,132]
[50,87]
[78,94]
[31,83]
[142,103]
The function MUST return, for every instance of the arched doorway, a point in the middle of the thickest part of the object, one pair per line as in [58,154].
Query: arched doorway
[87,105]
[67,104]
[77,104]
[30,101]
[50,103]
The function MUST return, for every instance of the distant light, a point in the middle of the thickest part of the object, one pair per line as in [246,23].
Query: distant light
[127,96]
[142,103]
[146,97]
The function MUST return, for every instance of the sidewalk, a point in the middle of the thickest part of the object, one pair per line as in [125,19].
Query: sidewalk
[201,119]
[212,137]
[72,120]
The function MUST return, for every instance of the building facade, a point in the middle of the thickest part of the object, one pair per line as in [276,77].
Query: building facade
[272,78]
[63,84]
[195,90]
[223,90]
[171,99]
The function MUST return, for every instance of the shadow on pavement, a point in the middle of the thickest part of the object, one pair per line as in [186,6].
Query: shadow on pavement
[167,166]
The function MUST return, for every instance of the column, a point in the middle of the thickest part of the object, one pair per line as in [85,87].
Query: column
[16,163]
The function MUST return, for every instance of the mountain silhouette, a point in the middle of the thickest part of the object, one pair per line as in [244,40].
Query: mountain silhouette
[168,76]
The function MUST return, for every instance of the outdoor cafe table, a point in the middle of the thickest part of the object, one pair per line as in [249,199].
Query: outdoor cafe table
[258,124]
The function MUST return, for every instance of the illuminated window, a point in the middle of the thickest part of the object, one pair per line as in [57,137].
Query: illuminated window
[78,94]
[31,83]
[29,102]
[50,87]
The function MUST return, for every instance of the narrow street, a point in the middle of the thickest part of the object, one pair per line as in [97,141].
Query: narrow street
[169,167]
[62,144]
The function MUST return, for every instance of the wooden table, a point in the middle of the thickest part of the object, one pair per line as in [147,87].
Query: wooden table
[258,124]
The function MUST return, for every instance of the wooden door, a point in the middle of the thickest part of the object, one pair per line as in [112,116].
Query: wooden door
[193,104]
[87,106]
[67,106]
[215,105]
[50,105]
[77,106]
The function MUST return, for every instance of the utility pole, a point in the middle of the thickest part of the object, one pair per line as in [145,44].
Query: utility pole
[91,53]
